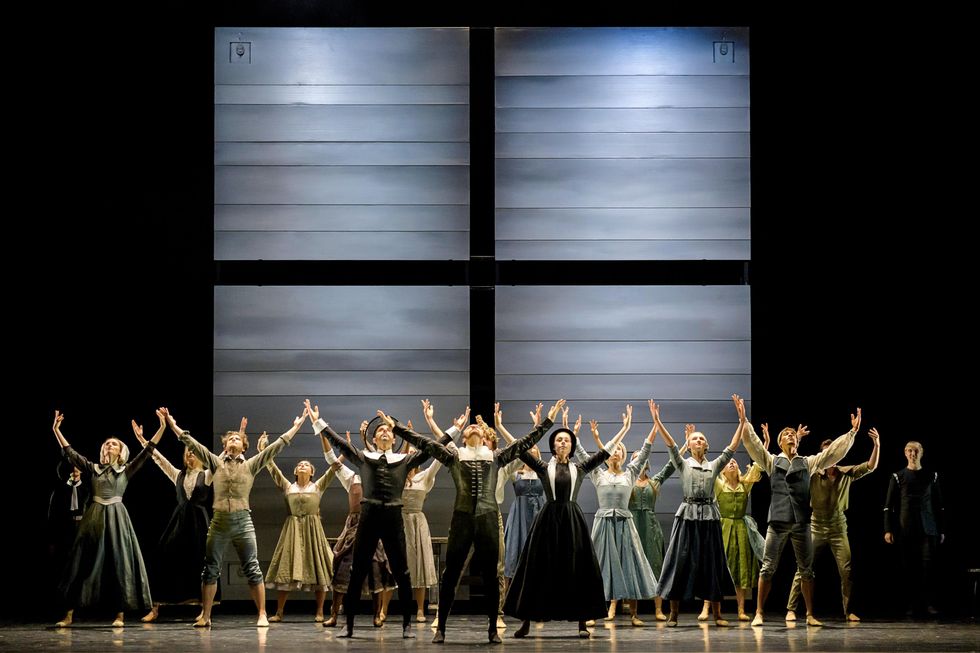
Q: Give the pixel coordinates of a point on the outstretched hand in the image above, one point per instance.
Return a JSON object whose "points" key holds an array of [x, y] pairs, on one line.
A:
{"points": [[873, 434], [553, 411], [263, 441], [856, 420], [138, 432], [58, 418], [536, 414], [313, 411], [765, 433], [464, 419], [387, 419], [739, 408]]}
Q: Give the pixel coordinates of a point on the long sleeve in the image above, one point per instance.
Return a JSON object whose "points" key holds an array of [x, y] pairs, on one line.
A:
{"points": [[210, 460], [751, 477], [594, 460], [77, 459], [719, 463], [264, 457], [757, 450], [504, 476], [937, 505], [675, 457], [351, 455], [832, 454], [640, 462], [139, 459], [538, 465], [429, 480], [665, 472], [422, 443], [516, 448], [345, 474], [582, 456], [277, 476], [892, 500], [325, 479], [856, 471], [169, 470]]}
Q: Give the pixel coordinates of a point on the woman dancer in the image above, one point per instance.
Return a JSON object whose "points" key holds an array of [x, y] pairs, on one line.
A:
{"points": [[105, 567], [695, 564], [626, 572], [175, 568], [418, 539], [302, 559], [557, 574]]}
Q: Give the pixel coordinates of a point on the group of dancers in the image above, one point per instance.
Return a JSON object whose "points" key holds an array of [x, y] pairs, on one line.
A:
{"points": [[544, 564]]}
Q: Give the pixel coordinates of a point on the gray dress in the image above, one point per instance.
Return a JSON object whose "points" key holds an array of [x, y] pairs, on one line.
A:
{"points": [[418, 539]]}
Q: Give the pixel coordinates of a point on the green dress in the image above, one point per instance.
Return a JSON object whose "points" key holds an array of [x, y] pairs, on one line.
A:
{"points": [[732, 503], [643, 505]]}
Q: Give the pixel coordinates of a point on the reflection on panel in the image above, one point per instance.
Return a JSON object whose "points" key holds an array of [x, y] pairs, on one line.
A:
{"points": [[349, 350], [606, 119], [341, 120]]}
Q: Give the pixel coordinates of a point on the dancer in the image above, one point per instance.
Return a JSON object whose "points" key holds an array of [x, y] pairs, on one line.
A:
{"points": [[829, 493], [557, 573], [302, 559], [105, 567], [789, 507], [743, 542], [383, 475], [476, 515], [695, 563], [233, 476], [914, 520], [626, 572], [175, 567], [418, 539]]}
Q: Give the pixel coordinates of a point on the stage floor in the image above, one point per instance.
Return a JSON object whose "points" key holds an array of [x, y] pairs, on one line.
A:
{"points": [[237, 633]]}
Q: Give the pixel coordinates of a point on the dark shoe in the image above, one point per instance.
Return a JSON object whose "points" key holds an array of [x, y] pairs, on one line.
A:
{"points": [[523, 630], [583, 630], [439, 637], [931, 611]]}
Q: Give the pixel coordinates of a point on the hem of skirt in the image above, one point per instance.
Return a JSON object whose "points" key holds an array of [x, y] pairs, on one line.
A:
{"points": [[296, 586]]}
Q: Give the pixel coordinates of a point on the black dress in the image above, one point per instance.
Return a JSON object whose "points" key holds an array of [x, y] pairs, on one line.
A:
{"points": [[175, 569], [557, 574]]}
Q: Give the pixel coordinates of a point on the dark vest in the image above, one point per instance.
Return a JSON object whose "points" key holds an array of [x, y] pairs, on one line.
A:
{"points": [[476, 484], [790, 482], [202, 495]]}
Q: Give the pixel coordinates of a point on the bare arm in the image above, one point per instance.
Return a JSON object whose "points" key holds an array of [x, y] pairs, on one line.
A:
{"points": [[837, 449], [876, 447], [161, 461], [498, 422], [740, 409]]}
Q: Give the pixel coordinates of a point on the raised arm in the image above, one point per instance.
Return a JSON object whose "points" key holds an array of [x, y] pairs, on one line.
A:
{"points": [[740, 409], [498, 423], [432, 448], [627, 423], [875, 449], [278, 478], [429, 411], [203, 454], [73, 457], [161, 461], [325, 480], [264, 457], [837, 449], [148, 448], [515, 449]]}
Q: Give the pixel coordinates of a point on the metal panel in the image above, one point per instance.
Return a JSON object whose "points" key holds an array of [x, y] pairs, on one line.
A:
{"points": [[614, 386], [676, 412], [341, 245], [622, 313], [436, 123], [626, 146], [619, 51], [364, 154], [344, 56], [340, 360], [602, 358], [339, 317], [705, 120], [623, 250], [372, 384], [621, 92], [354, 217], [679, 223], [341, 185], [359, 94], [622, 182]]}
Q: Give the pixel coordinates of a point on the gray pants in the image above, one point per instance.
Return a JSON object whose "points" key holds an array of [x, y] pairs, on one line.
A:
{"points": [[776, 536], [235, 527], [501, 583], [834, 537]]}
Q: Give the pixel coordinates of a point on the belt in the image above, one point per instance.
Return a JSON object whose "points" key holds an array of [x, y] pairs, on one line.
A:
{"points": [[698, 501], [107, 502]]}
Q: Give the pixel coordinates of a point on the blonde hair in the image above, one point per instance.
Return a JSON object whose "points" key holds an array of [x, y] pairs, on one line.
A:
{"points": [[123, 452], [917, 445]]}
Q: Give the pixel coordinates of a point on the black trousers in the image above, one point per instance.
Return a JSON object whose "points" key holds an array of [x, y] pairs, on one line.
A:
{"points": [[918, 555], [482, 532], [379, 523]]}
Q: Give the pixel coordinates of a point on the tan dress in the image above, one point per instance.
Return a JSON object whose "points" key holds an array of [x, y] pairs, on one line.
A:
{"points": [[418, 539], [303, 559]]}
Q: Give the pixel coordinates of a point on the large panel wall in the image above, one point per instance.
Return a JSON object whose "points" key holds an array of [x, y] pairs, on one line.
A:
{"points": [[343, 144], [351, 350], [618, 144], [600, 347]]}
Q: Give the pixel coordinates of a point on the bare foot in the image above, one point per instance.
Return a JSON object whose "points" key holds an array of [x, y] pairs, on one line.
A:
{"points": [[704, 614], [720, 622], [276, 618], [151, 616], [318, 618], [744, 617], [758, 620], [64, 623], [202, 622], [661, 616], [419, 617], [118, 621], [636, 621], [263, 621], [671, 620], [501, 623], [812, 621], [790, 615], [853, 617]]}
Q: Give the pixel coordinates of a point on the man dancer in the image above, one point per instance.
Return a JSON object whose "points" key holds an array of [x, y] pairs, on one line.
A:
{"points": [[789, 507], [476, 515], [383, 473], [913, 519], [829, 492]]}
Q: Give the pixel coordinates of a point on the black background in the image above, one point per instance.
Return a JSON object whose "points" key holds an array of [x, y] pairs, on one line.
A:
{"points": [[859, 286]]}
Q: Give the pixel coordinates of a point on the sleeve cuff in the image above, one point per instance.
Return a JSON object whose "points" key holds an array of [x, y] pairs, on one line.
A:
{"points": [[319, 425]]}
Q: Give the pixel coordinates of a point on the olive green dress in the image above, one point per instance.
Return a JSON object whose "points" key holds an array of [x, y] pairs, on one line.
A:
{"points": [[736, 526]]}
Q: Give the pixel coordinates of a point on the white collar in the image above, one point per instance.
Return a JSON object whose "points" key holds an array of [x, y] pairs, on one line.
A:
{"points": [[227, 457], [480, 452], [572, 471], [389, 455]]}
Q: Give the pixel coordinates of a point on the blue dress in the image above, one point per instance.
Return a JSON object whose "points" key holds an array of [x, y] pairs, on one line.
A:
{"points": [[626, 572], [530, 499]]}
